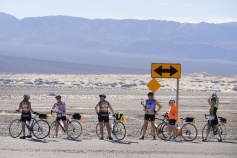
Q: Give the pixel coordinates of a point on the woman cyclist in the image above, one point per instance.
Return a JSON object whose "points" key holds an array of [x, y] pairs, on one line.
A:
{"points": [[60, 107], [213, 102], [25, 107], [149, 107], [103, 115], [172, 120]]}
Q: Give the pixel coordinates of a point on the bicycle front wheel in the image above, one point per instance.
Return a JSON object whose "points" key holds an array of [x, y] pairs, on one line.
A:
{"points": [[41, 129], [159, 131], [207, 131], [74, 129], [15, 128], [164, 131], [189, 132], [119, 130]]}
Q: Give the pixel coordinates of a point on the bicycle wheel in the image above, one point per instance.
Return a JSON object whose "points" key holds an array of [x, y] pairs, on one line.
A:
{"points": [[159, 131], [222, 130], [41, 129], [53, 130], [74, 129], [205, 131], [164, 131], [105, 132], [15, 128], [119, 130], [189, 132]]}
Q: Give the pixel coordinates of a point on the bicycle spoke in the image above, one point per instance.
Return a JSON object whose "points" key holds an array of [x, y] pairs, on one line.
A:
{"points": [[189, 132], [15, 128], [41, 129], [74, 129], [119, 130]]}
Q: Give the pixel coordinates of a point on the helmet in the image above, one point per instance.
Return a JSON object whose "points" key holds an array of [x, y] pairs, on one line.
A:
{"points": [[26, 96], [102, 96], [150, 94], [213, 98], [171, 101], [58, 97]]}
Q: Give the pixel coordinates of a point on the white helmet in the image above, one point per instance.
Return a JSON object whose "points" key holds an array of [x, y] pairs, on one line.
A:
{"points": [[26, 96]]}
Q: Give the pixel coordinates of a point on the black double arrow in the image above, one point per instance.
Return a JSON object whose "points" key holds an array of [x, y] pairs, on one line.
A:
{"points": [[171, 71]]}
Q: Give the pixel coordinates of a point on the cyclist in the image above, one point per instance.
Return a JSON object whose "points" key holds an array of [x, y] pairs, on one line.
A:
{"points": [[103, 115], [149, 107], [213, 102], [25, 107], [60, 107], [172, 120]]}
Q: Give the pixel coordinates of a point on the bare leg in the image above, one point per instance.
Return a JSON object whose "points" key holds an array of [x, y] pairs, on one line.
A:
{"points": [[29, 130], [218, 130], [145, 127], [208, 131], [57, 128], [173, 128], [153, 128], [23, 124], [169, 131], [65, 126], [108, 128], [101, 129]]}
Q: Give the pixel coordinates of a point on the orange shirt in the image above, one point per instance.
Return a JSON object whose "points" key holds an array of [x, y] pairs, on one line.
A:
{"points": [[172, 110]]}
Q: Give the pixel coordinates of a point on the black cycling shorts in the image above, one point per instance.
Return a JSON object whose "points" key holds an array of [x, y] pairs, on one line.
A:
{"points": [[63, 118], [172, 122], [25, 117], [149, 117], [213, 122]]}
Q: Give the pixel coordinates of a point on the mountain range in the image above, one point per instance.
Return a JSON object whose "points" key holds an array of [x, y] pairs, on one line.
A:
{"points": [[127, 44]]}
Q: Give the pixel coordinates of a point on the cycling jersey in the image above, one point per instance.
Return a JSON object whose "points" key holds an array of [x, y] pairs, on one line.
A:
{"points": [[213, 109], [25, 106], [104, 105], [150, 105], [172, 110], [60, 108]]}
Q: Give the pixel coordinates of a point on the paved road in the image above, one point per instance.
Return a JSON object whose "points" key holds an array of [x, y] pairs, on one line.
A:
{"points": [[58, 148]]}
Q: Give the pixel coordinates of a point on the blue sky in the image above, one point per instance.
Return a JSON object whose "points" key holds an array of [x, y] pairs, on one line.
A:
{"points": [[214, 11]]}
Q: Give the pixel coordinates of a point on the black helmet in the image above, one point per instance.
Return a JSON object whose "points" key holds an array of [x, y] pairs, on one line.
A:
{"points": [[102, 96], [150, 94], [213, 98], [58, 97], [171, 101]]}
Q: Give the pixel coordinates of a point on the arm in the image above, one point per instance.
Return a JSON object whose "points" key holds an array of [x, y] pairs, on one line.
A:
{"points": [[209, 101], [110, 107], [96, 108], [159, 106], [19, 108], [31, 108]]}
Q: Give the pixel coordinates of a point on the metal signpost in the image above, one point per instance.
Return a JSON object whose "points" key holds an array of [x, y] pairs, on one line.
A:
{"points": [[165, 70]]}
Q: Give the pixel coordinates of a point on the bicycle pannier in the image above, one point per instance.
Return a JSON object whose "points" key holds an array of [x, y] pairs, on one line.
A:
{"points": [[189, 119], [76, 116]]}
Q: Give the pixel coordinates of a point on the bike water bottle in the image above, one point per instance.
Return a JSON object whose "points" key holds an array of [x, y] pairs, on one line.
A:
{"points": [[112, 125], [156, 125]]}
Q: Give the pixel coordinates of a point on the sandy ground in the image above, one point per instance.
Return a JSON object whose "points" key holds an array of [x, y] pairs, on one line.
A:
{"points": [[83, 100]]}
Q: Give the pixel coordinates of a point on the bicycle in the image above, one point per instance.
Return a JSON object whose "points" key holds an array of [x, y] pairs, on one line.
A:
{"points": [[118, 129], [212, 131], [39, 128], [74, 126], [187, 130], [158, 125]]}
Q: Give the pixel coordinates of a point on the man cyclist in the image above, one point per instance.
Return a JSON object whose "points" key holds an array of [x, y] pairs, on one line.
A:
{"points": [[25, 107], [172, 120], [60, 107], [150, 112], [213, 102], [103, 115]]}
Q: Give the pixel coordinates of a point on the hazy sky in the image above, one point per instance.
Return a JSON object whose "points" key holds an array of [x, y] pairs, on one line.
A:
{"points": [[215, 11]]}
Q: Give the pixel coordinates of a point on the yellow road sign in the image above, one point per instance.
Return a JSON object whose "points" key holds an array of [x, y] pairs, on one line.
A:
{"points": [[153, 85], [165, 70]]}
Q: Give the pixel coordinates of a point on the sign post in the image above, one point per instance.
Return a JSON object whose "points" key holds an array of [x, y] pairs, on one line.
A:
{"points": [[165, 70]]}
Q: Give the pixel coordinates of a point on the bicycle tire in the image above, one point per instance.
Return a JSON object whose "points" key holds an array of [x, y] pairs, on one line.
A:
{"points": [[41, 129], [165, 131], [74, 129], [187, 130], [15, 128], [204, 132], [119, 128], [159, 131]]}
